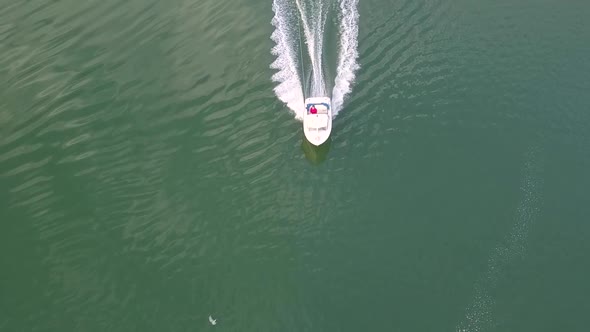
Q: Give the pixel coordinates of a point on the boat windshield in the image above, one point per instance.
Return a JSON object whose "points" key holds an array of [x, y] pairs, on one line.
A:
{"points": [[317, 129]]}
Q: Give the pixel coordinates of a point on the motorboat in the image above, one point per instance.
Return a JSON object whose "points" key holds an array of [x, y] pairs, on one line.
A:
{"points": [[317, 119]]}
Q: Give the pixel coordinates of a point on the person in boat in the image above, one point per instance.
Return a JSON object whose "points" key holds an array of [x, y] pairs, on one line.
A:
{"points": [[313, 110]]}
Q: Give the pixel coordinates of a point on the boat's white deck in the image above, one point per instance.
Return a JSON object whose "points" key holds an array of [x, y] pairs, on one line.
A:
{"points": [[317, 121], [317, 127]]}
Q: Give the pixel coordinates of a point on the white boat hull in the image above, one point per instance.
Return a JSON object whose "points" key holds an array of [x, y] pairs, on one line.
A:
{"points": [[317, 127]]}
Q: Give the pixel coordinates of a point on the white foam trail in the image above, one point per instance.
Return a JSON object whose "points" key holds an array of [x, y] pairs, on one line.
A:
{"points": [[478, 316], [312, 23], [289, 90], [348, 53]]}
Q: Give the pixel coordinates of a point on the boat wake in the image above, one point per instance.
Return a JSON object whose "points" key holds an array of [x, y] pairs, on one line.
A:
{"points": [[479, 314], [298, 22]]}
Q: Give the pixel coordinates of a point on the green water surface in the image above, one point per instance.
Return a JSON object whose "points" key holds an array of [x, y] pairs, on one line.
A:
{"points": [[150, 177]]}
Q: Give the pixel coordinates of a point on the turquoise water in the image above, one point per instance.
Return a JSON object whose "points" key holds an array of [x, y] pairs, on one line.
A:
{"points": [[151, 174]]}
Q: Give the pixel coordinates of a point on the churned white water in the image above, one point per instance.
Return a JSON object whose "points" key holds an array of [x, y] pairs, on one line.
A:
{"points": [[300, 29]]}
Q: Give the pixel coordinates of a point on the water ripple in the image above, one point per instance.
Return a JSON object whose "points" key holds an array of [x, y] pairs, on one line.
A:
{"points": [[141, 145]]}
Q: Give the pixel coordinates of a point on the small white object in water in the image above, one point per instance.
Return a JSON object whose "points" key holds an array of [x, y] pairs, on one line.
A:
{"points": [[212, 321]]}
